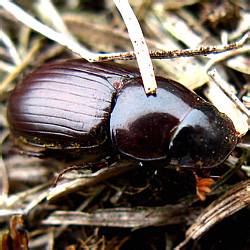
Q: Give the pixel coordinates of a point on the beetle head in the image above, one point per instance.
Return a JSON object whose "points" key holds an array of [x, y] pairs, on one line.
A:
{"points": [[204, 138]]}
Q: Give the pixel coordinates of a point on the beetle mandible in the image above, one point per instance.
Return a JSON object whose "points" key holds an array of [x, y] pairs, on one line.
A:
{"points": [[75, 106]]}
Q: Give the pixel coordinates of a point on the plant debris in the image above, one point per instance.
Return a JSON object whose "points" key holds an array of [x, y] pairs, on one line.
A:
{"points": [[126, 205]]}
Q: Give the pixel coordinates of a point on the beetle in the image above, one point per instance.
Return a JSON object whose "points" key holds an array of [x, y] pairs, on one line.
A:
{"points": [[73, 106]]}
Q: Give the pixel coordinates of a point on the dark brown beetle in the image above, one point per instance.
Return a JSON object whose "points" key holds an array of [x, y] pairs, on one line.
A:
{"points": [[75, 106]]}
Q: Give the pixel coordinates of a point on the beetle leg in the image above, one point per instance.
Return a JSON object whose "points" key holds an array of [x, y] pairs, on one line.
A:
{"points": [[86, 166], [202, 186], [207, 174], [89, 165]]}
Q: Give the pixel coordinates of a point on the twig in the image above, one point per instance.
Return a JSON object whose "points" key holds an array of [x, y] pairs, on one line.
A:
{"points": [[217, 79], [46, 31], [10, 46], [224, 56], [139, 44], [5, 182], [222, 99], [234, 200], [123, 217], [48, 11], [200, 51], [20, 67]]}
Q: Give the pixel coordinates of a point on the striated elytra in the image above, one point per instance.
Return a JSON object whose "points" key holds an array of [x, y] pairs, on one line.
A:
{"points": [[73, 106]]}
